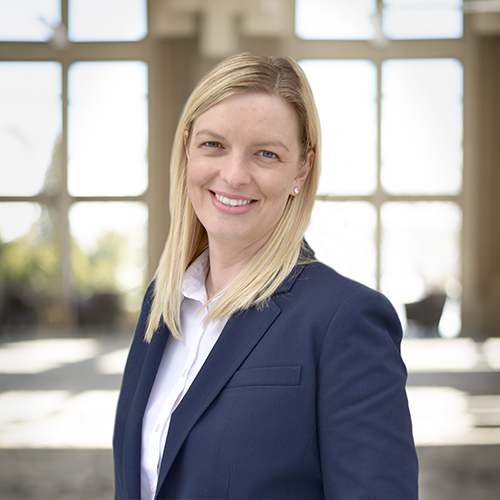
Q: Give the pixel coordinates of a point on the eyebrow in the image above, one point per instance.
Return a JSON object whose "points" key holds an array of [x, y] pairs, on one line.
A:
{"points": [[276, 142], [211, 133], [273, 143]]}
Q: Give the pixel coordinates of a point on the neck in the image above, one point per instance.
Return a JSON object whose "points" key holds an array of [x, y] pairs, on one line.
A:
{"points": [[226, 262]]}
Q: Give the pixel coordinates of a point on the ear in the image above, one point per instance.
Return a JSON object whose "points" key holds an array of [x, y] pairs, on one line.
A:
{"points": [[186, 137], [304, 170]]}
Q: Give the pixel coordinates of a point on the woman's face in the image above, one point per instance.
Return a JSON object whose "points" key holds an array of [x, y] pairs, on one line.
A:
{"points": [[244, 162]]}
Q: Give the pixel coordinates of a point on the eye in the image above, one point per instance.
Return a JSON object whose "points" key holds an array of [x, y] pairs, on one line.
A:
{"points": [[212, 144], [268, 154]]}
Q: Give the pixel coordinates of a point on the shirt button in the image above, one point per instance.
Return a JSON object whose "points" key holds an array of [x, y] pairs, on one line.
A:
{"points": [[184, 373], [152, 488], [157, 428]]}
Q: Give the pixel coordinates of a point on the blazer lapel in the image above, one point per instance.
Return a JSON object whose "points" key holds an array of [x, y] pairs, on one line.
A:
{"points": [[133, 433], [240, 335]]}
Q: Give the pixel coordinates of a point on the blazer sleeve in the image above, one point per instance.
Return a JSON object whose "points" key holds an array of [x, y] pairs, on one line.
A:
{"points": [[364, 427]]}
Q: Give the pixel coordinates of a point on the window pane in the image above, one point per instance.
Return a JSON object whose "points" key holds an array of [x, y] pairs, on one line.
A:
{"points": [[30, 127], [419, 19], [28, 20], [109, 253], [29, 257], [108, 128], [107, 20], [345, 94], [421, 253], [422, 126], [334, 19], [342, 234]]}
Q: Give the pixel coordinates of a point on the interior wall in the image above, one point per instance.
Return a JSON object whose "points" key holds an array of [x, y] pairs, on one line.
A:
{"points": [[481, 203], [169, 74], [488, 172]]}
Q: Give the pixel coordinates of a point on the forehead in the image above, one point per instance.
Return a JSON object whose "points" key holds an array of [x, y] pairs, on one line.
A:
{"points": [[251, 112]]}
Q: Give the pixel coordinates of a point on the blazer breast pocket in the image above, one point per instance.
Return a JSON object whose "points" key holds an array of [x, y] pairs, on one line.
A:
{"points": [[266, 376]]}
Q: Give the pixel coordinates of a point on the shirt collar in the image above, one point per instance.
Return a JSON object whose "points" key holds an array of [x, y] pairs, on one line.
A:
{"points": [[193, 286]]}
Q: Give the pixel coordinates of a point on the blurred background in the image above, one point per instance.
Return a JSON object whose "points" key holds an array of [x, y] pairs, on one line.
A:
{"points": [[90, 94]]}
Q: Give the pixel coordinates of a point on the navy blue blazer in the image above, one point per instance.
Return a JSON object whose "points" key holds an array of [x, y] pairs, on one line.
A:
{"points": [[303, 399]]}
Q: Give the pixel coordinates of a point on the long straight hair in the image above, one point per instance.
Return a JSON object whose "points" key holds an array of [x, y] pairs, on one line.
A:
{"points": [[187, 239]]}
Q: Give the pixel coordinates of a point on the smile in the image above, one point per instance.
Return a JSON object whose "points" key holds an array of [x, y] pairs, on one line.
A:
{"points": [[230, 202]]}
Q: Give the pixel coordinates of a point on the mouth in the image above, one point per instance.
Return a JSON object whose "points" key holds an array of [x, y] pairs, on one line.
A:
{"points": [[232, 202]]}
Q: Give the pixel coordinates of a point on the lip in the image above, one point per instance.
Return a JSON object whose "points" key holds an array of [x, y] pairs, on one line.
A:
{"points": [[232, 209]]}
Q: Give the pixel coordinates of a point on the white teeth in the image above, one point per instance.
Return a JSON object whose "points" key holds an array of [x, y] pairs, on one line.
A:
{"points": [[230, 202]]}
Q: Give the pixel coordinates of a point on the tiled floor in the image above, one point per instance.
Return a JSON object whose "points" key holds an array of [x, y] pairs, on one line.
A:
{"points": [[57, 399]]}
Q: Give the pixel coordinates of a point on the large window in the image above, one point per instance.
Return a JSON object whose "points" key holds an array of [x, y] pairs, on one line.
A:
{"points": [[388, 211], [73, 164]]}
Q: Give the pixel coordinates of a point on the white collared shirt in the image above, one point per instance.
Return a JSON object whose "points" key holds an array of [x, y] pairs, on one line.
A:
{"points": [[181, 362]]}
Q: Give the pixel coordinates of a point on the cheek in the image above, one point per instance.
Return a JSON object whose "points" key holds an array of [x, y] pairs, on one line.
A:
{"points": [[279, 187], [196, 174], [194, 184], [278, 198]]}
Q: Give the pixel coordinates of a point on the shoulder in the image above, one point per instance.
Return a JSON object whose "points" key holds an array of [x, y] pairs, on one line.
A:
{"points": [[327, 297], [319, 276], [329, 285]]}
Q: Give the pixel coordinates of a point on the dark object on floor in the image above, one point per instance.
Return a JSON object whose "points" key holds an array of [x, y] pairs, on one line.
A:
{"points": [[100, 309], [17, 309], [424, 316]]}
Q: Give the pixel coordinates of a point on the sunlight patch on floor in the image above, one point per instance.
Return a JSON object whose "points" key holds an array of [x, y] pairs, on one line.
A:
{"points": [[112, 363], [57, 419], [450, 355], [36, 356], [444, 416]]}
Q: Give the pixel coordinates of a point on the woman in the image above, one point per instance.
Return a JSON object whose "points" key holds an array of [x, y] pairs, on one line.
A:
{"points": [[257, 372]]}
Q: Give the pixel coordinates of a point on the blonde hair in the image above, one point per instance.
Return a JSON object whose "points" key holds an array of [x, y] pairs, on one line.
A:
{"points": [[242, 73]]}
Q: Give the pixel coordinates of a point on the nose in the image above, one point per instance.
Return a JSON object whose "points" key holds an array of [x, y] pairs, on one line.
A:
{"points": [[235, 170]]}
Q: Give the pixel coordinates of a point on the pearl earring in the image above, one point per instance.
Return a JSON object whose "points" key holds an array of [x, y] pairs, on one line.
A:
{"points": [[296, 190]]}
